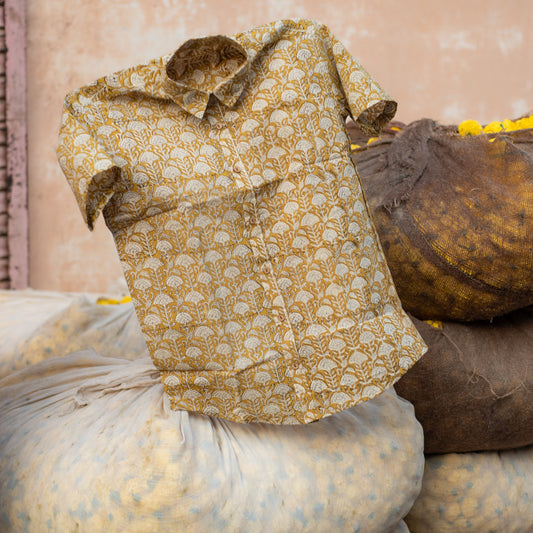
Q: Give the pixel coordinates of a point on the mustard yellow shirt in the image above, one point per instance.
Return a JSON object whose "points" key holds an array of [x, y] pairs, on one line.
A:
{"points": [[224, 174]]}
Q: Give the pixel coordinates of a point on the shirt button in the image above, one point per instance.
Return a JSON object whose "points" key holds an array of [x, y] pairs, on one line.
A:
{"points": [[253, 220], [282, 317], [295, 365], [219, 125], [237, 168], [266, 270]]}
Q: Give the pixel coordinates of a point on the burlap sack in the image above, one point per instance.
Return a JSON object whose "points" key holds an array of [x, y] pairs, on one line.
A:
{"points": [[473, 389], [455, 218]]}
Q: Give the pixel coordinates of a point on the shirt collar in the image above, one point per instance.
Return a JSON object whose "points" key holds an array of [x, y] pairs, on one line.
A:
{"points": [[193, 95]]}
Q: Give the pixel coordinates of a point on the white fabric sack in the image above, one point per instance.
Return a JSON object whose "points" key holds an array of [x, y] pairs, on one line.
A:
{"points": [[36, 325], [488, 492], [89, 444]]}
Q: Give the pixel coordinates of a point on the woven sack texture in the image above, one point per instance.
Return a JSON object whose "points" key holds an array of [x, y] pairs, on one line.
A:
{"points": [[36, 325], [473, 389], [455, 218], [90, 444], [484, 492]]}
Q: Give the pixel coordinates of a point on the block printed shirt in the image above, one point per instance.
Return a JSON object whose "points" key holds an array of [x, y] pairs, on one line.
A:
{"points": [[223, 171]]}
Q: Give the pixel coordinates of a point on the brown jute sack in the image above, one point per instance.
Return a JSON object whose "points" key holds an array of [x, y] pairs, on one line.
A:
{"points": [[473, 389], [455, 218]]}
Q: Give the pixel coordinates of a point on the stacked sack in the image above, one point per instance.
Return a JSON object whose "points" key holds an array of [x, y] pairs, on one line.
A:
{"points": [[455, 217], [454, 211], [88, 442], [36, 325]]}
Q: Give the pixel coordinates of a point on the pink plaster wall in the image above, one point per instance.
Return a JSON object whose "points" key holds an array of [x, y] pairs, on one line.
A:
{"points": [[16, 141], [448, 60]]}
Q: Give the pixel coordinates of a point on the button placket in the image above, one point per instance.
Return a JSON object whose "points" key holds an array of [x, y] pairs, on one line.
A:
{"points": [[267, 276], [226, 138], [265, 271], [216, 125]]}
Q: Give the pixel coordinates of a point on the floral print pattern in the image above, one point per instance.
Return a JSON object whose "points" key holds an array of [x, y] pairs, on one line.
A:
{"points": [[224, 174]]}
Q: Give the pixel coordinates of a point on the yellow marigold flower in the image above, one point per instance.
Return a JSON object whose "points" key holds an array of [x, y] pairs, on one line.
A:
{"points": [[509, 125], [524, 123], [470, 127], [493, 127], [106, 301], [434, 323], [113, 301]]}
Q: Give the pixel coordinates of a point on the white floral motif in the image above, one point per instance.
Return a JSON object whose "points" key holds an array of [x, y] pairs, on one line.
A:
{"points": [[241, 224]]}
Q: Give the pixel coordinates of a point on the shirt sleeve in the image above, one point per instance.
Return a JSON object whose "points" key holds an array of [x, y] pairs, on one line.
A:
{"points": [[90, 172], [367, 103]]}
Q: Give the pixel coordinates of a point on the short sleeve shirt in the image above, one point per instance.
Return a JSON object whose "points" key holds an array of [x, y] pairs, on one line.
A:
{"points": [[223, 171]]}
